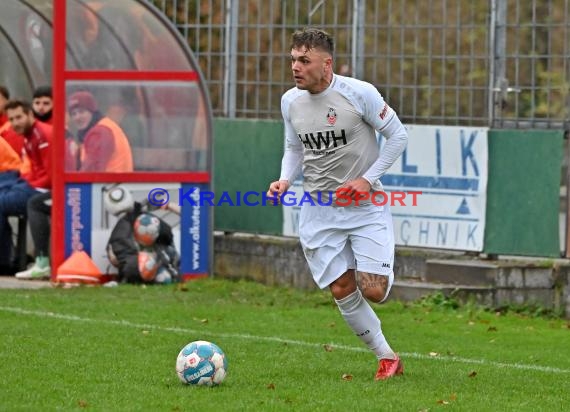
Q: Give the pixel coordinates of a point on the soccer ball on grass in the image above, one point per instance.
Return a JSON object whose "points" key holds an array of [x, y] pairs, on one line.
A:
{"points": [[201, 363]]}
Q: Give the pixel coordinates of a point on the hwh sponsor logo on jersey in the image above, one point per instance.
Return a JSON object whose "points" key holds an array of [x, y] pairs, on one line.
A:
{"points": [[323, 139]]}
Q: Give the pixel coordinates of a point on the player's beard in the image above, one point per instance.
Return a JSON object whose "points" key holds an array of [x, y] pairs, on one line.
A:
{"points": [[46, 117], [25, 129]]}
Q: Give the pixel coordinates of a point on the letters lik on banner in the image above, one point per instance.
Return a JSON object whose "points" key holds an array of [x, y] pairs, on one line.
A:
{"points": [[449, 166]]}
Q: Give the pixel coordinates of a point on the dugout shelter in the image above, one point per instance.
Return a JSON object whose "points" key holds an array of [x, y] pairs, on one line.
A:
{"points": [[144, 77]]}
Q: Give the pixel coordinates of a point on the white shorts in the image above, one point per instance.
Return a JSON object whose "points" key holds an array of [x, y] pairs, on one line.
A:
{"points": [[335, 239]]}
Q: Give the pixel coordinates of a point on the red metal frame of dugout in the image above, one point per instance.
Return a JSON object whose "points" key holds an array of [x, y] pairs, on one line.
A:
{"points": [[60, 76]]}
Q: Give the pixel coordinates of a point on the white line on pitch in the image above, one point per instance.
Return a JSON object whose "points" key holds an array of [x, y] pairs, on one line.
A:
{"points": [[414, 355]]}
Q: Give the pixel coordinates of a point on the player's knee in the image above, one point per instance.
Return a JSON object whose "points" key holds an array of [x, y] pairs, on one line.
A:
{"points": [[343, 286], [341, 291], [375, 295]]}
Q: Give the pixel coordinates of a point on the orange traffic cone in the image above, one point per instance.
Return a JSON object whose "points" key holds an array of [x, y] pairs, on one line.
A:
{"points": [[78, 268]]}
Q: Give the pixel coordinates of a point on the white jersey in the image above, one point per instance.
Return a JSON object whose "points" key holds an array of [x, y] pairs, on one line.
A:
{"points": [[335, 131]]}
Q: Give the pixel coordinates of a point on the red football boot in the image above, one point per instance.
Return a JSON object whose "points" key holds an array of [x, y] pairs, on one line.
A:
{"points": [[388, 368]]}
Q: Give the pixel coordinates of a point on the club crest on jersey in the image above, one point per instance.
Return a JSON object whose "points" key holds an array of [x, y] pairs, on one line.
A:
{"points": [[331, 116]]}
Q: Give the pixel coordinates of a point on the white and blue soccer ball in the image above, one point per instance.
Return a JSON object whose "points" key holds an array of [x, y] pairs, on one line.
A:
{"points": [[201, 363]]}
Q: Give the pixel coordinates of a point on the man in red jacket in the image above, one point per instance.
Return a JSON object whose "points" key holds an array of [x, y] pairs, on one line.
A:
{"points": [[16, 190], [39, 206], [6, 130], [42, 105], [104, 145]]}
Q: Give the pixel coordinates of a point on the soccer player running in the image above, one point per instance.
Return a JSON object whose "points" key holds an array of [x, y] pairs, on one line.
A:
{"points": [[330, 122]]}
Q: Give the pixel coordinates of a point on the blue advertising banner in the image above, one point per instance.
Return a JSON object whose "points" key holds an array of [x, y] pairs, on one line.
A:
{"points": [[195, 231], [78, 204], [89, 224]]}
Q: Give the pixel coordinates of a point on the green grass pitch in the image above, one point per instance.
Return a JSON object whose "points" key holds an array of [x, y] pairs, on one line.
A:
{"points": [[114, 349]]}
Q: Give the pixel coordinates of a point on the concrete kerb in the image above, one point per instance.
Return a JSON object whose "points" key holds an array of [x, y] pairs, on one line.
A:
{"points": [[509, 280]]}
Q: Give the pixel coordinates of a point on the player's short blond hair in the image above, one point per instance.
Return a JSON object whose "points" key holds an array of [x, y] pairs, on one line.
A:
{"points": [[313, 38]]}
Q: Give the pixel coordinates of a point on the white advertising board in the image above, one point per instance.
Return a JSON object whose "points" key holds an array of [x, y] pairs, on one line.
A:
{"points": [[449, 166]]}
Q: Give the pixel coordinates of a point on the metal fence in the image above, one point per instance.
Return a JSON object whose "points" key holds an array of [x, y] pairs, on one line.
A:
{"points": [[499, 63]]}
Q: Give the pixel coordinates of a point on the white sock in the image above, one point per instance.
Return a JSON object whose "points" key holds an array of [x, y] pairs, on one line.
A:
{"points": [[365, 324]]}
